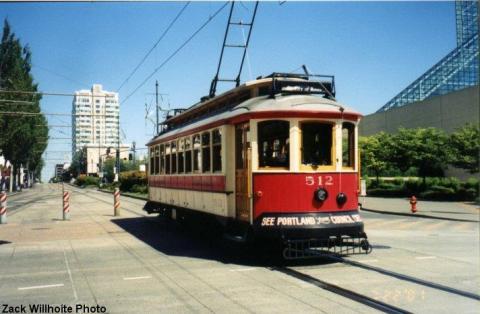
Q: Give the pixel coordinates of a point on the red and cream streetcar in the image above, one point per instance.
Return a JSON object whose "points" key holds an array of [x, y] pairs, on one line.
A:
{"points": [[274, 158]]}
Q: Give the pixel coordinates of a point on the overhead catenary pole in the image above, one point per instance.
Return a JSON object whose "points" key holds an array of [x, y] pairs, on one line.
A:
{"points": [[10, 188], [117, 174], [156, 107]]}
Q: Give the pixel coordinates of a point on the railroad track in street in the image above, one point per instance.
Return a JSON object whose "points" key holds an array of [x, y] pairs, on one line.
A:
{"points": [[404, 277], [293, 272], [371, 302], [364, 299], [350, 294]]}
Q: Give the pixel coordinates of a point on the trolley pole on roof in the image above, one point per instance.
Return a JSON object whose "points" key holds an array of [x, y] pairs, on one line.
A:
{"points": [[156, 106], [216, 79]]}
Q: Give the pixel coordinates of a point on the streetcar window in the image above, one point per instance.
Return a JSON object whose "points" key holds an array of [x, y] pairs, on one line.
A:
{"points": [[348, 153], [162, 159], [317, 144], [197, 158], [216, 151], [157, 158], [181, 145], [173, 147], [273, 143], [152, 160], [167, 158], [206, 152], [188, 156]]}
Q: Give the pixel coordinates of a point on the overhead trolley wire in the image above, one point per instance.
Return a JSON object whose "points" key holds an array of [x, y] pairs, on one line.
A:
{"points": [[49, 93], [176, 51], [154, 46], [59, 75]]}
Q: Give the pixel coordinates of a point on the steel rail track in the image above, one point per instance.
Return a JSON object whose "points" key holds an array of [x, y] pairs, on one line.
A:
{"points": [[415, 280], [352, 295]]}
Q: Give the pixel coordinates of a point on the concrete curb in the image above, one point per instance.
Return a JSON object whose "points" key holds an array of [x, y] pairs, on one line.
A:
{"points": [[416, 215]]}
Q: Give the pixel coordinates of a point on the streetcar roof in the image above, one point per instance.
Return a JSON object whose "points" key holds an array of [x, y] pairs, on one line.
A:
{"points": [[282, 104]]}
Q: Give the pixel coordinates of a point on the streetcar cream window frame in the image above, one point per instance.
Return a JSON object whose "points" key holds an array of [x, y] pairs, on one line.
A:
{"points": [[152, 160], [162, 159], [351, 145], [188, 149], [181, 152], [157, 160], [167, 158], [258, 150], [214, 145], [206, 147], [197, 161], [333, 156], [173, 153]]}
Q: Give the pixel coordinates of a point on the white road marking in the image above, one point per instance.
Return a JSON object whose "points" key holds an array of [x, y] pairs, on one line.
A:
{"points": [[42, 287], [137, 278], [243, 269], [70, 275], [425, 257]]}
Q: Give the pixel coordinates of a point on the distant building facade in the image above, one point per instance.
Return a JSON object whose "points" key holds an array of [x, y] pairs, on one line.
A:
{"points": [[95, 126], [95, 118], [96, 155], [58, 170], [447, 112]]}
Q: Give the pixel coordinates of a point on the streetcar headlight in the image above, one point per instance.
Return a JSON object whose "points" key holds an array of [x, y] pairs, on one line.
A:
{"points": [[320, 194], [341, 198]]}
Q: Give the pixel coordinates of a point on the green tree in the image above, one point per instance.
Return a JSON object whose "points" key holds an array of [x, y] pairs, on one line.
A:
{"points": [[79, 163], [24, 136], [465, 145], [125, 165], [423, 148], [374, 153]]}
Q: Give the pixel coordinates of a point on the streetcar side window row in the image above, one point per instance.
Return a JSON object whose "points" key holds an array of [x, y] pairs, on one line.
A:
{"points": [[199, 153]]}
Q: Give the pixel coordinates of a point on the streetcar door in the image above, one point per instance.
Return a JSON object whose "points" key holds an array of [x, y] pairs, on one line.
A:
{"points": [[242, 169]]}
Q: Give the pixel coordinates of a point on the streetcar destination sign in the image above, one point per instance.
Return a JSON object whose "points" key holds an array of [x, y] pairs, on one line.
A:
{"points": [[276, 221]]}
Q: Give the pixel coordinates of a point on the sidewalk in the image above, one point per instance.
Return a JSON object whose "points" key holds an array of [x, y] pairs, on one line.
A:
{"points": [[461, 211]]}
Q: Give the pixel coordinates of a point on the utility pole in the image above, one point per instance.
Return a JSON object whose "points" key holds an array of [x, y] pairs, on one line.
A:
{"points": [[156, 106], [134, 148], [117, 174]]}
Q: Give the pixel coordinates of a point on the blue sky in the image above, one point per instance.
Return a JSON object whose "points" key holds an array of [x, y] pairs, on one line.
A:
{"points": [[374, 49]]}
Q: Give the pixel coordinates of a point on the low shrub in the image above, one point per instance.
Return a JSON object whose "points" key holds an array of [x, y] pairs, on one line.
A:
{"points": [[130, 178], [439, 194], [83, 180], [391, 192], [452, 183], [398, 181], [469, 194], [434, 188], [142, 189], [413, 186], [472, 183], [387, 185]]}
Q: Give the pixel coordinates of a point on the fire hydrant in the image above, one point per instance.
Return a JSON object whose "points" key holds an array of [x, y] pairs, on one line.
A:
{"points": [[413, 204]]}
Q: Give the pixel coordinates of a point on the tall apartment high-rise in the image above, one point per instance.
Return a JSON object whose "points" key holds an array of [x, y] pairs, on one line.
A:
{"points": [[95, 123]]}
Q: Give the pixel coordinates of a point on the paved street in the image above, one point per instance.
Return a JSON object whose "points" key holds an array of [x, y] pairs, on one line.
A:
{"points": [[140, 263]]}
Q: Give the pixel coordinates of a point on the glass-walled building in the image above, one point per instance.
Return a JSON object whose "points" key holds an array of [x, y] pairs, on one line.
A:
{"points": [[457, 70]]}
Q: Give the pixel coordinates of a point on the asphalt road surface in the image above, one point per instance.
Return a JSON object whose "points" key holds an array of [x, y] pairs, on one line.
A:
{"points": [[139, 263]]}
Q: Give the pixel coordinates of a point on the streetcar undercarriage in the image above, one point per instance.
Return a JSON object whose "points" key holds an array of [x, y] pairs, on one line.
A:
{"points": [[295, 243]]}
